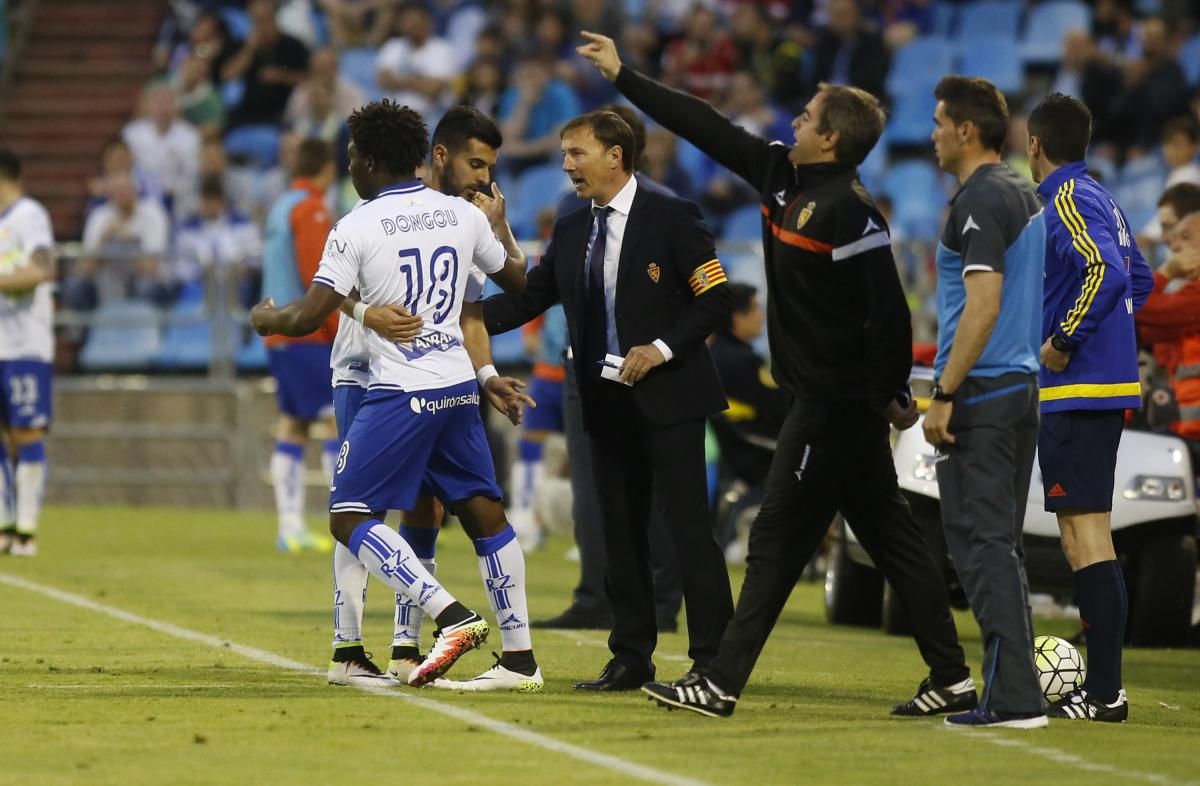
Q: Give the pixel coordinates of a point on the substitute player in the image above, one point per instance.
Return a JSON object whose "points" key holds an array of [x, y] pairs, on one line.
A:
{"points": [[296, 229], [1095, 280], [26, 352], [464, 150], [419, 425]]}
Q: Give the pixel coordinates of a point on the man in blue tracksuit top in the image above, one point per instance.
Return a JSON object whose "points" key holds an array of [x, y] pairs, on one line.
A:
{"points": [[1095, 280]]}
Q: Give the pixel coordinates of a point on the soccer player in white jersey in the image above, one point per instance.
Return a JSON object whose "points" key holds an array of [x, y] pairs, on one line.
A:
{"points": [[419, 425], [26, 352], [465, 146]]}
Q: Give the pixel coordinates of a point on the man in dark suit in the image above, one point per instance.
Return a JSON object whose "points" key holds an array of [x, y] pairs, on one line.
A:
{"points": [[638, 278]]}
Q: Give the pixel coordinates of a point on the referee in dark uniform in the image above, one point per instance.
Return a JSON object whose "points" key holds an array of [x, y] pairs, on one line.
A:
{"points": [[841, 343]]}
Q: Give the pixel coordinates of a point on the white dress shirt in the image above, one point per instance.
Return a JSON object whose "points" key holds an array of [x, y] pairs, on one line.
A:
{"points": [[621, 204]]}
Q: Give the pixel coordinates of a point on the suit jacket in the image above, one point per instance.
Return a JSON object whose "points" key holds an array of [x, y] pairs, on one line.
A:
{"points": [[665, 242]]}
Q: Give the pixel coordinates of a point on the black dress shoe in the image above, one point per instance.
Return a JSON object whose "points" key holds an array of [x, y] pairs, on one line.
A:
{"points": [[618, 676], [577, 618]]}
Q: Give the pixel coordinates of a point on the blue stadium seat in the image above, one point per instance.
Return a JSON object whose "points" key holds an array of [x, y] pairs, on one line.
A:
{"points": [[508, 349], [259, 143], [871, 170], [125, 337], [917, 198], [989, 17], [187, 344], [911, 122], [945, 17], [993, 57], [1046, 26], [232, 92], [253, 354], [238, 22], [918, 65], [743, 224], [534, 189], [358, 65], [1189, 58]]}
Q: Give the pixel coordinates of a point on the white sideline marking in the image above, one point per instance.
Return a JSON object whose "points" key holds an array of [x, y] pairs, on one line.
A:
{"points": [[126, 686], [603, 760], [1063, 757], [581, 639]]}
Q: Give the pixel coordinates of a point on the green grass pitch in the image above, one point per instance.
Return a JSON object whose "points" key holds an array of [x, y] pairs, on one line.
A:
{"points": [[87, 698]]}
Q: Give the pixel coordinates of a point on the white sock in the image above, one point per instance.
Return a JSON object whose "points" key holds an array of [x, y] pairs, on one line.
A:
{"points": [[31, 485], [407, 631], [287, 476], [8, 490], [520, 485], [502, 566], [349, 595], [329, 457], [391, 560]]}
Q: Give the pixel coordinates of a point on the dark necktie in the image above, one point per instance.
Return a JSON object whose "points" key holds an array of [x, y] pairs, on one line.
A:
{"points": [[596, 342]]}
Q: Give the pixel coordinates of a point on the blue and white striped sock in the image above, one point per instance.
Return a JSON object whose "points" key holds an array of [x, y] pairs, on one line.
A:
{"points": [[8, 490], [407, 630], [287, 478], [390, 559], [349, 595], [502, 566]]}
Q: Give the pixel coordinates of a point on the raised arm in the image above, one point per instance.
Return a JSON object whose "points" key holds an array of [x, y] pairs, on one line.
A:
{"points": [[691, 118]]}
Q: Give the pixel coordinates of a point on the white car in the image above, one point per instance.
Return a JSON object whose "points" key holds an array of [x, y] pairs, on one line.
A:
{"points": [[1154, 521]]}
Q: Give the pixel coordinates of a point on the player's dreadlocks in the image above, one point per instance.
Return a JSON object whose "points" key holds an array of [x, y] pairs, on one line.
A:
{"points": [[395, 136]]}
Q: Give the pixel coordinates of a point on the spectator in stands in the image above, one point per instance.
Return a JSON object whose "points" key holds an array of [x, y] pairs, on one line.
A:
{"points": [[123, 243], [1180, 141], [416, 67], [323, 74], [702, 61], [1170, 321], [116, 158], [1155, 90], [270, 64], [218, 238], [531, 112], [482, 86], [1084, 74], [748, 107], [904, 20], [208, 38], [662, 166], [1116, 30], [163, 143], [199, 101], [1181, 199], [362, 23], [323, 121], [849, 52], [1016, 151], [775, 62]]}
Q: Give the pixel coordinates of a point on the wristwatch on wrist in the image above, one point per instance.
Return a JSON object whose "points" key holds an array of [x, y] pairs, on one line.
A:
{"points": [[939, 394], [1060, 343]]}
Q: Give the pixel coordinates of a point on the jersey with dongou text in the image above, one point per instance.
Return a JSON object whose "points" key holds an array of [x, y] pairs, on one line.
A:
{"points": [[415, 247]]}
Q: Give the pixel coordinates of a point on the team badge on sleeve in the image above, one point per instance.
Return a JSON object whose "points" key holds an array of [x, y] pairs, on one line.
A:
{"points": [[805, 214], [706, 277], [654, 271]]}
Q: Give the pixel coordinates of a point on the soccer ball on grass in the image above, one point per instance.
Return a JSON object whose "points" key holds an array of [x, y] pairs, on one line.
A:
{"points": [[1059, 666]]}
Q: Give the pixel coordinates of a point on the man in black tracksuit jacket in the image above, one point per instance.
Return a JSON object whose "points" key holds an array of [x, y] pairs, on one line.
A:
{"points": [[841, 343]]}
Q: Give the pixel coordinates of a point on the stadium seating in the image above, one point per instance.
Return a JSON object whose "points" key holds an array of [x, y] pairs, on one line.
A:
{"points": [[188, 341], [989, 18], [238, 22], [1189, 58], [358, 65], [993, 57], [918, 65], [534, 190], [917, 198], [911, 122], [1046, 26], [125, 337], [253, 354], [258, 143], [743, 224]]}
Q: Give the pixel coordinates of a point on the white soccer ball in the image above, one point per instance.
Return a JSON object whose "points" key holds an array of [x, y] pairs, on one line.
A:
{"points": [[1059, 666]]}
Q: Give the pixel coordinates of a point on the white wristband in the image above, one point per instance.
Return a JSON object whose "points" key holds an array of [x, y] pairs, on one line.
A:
{"points": [[486, 373], [360, 311]]}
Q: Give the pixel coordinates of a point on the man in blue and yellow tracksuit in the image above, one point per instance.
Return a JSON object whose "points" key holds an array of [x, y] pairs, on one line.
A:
{"points": [[1095, 280]]}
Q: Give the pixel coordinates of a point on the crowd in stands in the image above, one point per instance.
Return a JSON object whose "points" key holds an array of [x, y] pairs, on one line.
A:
{"points": [[185, 188]]}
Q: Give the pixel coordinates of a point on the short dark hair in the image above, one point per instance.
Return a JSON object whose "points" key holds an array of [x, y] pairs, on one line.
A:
{"points": [[630, 116], [10, 165], [395, 136], [856, 116], [743, 295], [312, 156], [1064, 127], [461, 124], [1183, 198], [212, 187], [610, 129], [975, 100], [1184, 124]]}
